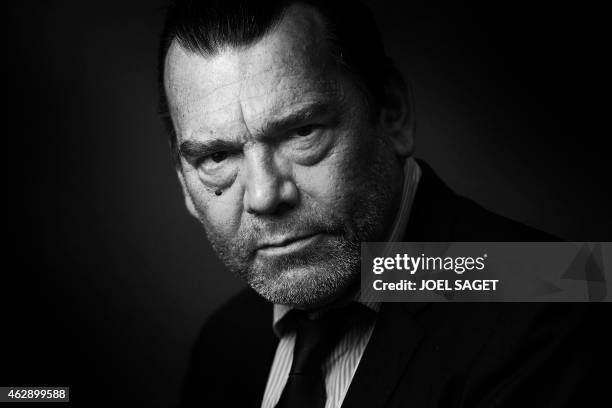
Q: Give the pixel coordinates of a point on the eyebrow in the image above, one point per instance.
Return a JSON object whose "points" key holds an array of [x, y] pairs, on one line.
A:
{"points": [[192, 149], [296, 118]]}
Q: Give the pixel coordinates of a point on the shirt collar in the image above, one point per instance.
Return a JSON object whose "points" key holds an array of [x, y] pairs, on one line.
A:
{"points": [[412, 175]]}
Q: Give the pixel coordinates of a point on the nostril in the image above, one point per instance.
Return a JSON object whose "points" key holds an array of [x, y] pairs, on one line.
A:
{"points": [[283, 208], [262, 198]]}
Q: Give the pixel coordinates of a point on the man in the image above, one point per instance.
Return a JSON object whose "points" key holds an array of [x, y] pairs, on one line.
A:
{"points": [[294, 139]]}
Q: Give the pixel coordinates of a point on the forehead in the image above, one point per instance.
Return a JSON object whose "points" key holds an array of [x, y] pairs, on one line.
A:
{"points": [[289, 66]]}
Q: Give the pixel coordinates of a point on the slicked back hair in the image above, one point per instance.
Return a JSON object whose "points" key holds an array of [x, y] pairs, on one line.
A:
{"points": [[208, 26]]}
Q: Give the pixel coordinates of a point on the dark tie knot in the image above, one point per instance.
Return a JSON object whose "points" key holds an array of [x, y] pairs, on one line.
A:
{"points": [[315, 338]]}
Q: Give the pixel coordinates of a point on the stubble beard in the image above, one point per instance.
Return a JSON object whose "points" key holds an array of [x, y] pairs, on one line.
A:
{"points": [[321, 273]]}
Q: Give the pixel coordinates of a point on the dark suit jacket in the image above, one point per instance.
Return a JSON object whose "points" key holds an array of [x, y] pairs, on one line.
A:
{"points": [[428, 355]]}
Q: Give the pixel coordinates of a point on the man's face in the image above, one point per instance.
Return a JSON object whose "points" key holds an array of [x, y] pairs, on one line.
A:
{"points": [[286, 138]]}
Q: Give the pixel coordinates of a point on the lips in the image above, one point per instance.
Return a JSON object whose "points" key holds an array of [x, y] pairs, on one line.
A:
{"points": [[284, 241], [287, 245]]}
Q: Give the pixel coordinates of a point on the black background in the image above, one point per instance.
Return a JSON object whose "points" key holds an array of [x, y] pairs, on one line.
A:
{"points": [[106, 279]]}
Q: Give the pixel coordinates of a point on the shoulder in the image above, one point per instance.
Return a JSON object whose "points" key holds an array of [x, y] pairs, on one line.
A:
{"points": [[561, 344], [232, 352], [473, 222], [243, 314], [514, 354], [440, 214]]}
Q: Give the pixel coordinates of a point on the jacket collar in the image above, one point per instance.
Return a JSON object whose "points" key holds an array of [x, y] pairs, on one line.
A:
{"points": [[397, 328]]}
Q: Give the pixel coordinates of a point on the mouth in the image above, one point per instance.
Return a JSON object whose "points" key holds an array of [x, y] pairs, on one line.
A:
{"points": [[288, 245]]}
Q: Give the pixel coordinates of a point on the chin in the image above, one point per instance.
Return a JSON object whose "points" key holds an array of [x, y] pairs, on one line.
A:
{"points": [[303, 287]]}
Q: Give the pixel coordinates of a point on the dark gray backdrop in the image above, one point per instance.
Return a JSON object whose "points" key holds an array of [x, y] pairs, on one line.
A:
{"points": [[107, 278]]}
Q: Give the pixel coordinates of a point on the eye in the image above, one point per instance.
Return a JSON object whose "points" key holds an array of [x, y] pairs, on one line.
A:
{"points": [[305, 130], [218, 157], [214, 161], [218, 168]]}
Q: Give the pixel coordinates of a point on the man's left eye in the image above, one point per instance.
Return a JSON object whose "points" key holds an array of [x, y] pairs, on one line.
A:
{"points": [[218, 157], [305, 130]]}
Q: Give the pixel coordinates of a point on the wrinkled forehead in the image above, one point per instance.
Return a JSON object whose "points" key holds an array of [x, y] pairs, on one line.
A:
{"points": [[290, 65]]}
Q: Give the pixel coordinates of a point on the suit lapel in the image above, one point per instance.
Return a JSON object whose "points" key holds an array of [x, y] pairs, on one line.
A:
{"points": [[379, 370], [256, 359], [397, 334], [256, 364]]}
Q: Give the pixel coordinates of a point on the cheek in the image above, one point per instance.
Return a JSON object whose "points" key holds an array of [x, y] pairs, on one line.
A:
{"points": [[341, 179], [221, 213], [334, 181]]}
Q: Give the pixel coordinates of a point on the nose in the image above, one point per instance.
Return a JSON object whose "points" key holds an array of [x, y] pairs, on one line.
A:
{"points": [[269, 185]]}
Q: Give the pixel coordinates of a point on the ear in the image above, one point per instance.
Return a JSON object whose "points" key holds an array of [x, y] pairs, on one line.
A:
{"points": [[188, 200], [397, 115]]}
